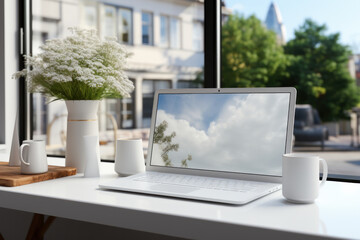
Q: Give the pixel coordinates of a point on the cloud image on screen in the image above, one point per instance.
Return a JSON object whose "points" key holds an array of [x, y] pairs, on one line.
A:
{"points": [[224, 132]]}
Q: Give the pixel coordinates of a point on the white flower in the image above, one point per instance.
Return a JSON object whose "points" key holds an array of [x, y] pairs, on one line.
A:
{"points": [[81, 58]]}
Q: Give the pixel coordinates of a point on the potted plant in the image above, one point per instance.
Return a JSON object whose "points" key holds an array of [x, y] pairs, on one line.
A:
{"points": [[80, 69]]}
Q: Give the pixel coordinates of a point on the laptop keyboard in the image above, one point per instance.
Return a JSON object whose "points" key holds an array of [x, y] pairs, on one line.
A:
{"points": [[204, 182]]}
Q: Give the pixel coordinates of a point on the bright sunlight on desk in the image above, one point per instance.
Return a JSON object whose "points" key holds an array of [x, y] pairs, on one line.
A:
{"points": [[335, 214]]}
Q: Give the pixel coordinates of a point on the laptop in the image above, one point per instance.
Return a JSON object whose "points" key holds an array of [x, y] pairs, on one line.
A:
{"points": [[217, 145]]}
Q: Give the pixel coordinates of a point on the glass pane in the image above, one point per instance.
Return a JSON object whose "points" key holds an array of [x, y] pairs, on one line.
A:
{"points": [[147, 28], [164, 31], [109, 26], [150, 67], [268, 44], [198, 40], [125, 25], [90, 16], [175, 36]]}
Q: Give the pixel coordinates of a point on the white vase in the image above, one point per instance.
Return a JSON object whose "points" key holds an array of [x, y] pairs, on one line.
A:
{"points": [[82, 121]]}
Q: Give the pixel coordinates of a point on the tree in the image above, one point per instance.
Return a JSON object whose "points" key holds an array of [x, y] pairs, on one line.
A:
{"points": [[318, 70], [251, 55], [166, 144]]}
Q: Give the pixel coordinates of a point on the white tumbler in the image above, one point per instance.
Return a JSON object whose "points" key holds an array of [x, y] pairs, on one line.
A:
{"points": [[129, 157]]}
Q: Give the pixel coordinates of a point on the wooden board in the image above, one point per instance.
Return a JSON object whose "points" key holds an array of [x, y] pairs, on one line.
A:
{"points": [[11, 176]]}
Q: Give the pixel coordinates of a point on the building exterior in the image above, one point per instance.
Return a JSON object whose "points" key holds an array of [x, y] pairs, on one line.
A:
{"points": [[165, 36], [274, 22]]}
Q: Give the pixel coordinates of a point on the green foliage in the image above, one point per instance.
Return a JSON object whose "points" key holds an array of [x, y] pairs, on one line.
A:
{"points": [[251, 55], [315, 63], [75, 90], [166, 144], [318, 70], [184, 161], [199, 78]]}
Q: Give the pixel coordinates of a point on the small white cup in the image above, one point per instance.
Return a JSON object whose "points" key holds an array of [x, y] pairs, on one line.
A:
{"points": [[129, 157], [301, 177], [33, 157]]}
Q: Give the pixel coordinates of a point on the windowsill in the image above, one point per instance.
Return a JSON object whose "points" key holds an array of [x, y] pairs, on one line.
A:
{"points": [[334, 214]]}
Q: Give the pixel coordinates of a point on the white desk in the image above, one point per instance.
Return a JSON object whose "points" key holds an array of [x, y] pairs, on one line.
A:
{"points": [[335, 214]]}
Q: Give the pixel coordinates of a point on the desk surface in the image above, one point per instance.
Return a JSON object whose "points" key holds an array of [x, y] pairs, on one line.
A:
{"points": [[336, 213]]}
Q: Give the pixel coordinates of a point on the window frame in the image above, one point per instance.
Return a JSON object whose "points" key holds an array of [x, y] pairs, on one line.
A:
{"points": [[25, 45]]}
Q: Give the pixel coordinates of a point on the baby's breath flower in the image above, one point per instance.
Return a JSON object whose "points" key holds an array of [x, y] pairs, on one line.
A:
{"points": [[79, 67]]}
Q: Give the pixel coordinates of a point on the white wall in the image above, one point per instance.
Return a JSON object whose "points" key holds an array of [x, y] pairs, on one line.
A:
{"points": [[2, 75], [9, 94]]}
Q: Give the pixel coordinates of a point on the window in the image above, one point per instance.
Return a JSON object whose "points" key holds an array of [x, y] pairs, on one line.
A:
{"points": [[175, 36], [147, 28], [118, 22], [149, 67], [164, 31], [149, 87], [125, 25], [327, 112], [198, 32], [170, 32], [122, 112], [188, 84], [109, 24], [90, 16]]}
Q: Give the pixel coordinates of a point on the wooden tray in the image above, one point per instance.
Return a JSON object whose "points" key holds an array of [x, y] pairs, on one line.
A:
{"points": [[11, 176]]}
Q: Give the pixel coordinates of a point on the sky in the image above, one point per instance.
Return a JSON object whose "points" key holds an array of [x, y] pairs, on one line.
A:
{"points": [[229, 132], [339, 15]]}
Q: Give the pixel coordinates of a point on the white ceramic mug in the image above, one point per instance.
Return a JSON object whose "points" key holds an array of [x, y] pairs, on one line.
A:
{"points": [[33, 157], [301, 177], [129, 157]]}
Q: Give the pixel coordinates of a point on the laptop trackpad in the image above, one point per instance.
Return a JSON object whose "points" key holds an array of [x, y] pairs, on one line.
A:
{"points": [[172, 188]]}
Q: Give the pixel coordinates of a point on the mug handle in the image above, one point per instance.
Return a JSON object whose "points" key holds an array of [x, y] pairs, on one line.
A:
{"points": [[325, 171], [21, 154]]}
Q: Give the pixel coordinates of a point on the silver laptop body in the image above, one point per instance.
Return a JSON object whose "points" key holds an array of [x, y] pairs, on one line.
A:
{"points": [[218, 145]]}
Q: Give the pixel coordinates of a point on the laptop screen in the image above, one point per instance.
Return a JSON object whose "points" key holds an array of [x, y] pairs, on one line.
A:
{"points": [[229, 132]]}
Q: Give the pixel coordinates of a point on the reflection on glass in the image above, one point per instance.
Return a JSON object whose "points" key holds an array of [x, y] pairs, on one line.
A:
{"points": [[227, 132]]}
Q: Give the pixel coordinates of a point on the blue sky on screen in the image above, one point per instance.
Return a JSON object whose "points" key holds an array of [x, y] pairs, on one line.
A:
{"points": [[229, 132], [199, 109], [339, 15]]}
